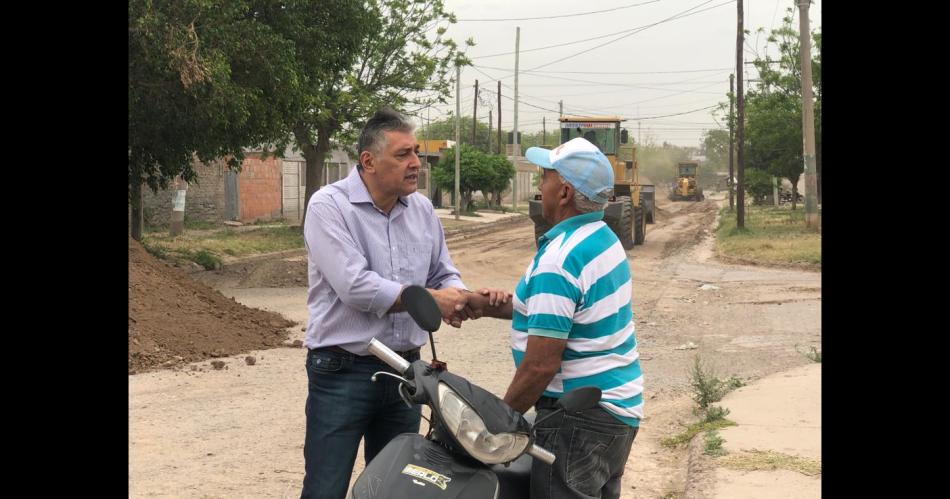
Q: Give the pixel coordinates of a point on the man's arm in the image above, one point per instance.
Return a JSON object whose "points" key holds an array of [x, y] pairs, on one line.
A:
{"points": [[551, 298], [335, 252], [542, 360], [488, 302]]}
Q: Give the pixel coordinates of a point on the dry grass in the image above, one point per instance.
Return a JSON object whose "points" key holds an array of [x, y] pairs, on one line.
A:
{"points": [[755, 460], [235, 243], [772, 236]]}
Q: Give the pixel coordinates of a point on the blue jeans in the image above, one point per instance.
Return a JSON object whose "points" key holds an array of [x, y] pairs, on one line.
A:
{"points": [[343, 406], [592, 448]]}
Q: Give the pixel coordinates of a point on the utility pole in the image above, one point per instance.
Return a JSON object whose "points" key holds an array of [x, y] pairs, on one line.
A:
{"points": [[433, 191], [499, 116], [560, 108], [489, 131], [732, 147], [517, 148], [475, 114], [544, 132], [740, 201], [808, 118], [458, 127]]}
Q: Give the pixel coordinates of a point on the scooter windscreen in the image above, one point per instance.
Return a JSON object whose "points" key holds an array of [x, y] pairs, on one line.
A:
{"points": [[487, 428]]}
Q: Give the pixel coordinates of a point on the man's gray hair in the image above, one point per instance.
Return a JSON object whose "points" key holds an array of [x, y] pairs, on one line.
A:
{"points": [[583, 203], [373, 137]]}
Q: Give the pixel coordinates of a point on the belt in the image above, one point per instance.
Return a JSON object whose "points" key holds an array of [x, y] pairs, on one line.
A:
{"points": [[408, 354]]}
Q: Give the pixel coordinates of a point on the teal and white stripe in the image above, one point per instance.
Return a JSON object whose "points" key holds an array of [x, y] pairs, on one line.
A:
{"points": [[578, 288]]}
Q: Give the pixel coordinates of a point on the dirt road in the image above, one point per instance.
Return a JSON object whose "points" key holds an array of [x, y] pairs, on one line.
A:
{"points": [[239, 432]]}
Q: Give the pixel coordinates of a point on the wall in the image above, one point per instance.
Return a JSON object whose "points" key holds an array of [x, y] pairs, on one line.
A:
{"points": [[259, 184], [204, 200]]}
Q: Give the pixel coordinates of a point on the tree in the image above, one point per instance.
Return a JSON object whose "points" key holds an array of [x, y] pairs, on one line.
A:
{"points": [[758, 184], [504, 171], [444, 129], [716, 149], [774, 133], [206, 80], [773, 128], [478, 171], [402, 61], [535, 139]]}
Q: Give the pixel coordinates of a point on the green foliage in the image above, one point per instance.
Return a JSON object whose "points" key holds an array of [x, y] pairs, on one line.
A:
{"points": [[713, 444], [716, 150], [206, 259], [758, 184], [773, 108], [403, 60], [813, 353], [707, 388], [444, 129], [489, 173], [206, 79]]}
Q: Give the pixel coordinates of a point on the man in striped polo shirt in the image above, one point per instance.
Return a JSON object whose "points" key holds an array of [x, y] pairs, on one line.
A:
{"points": [[572, 326]]}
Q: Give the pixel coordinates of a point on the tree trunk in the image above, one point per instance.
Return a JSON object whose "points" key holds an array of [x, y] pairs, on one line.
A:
{"points": [[795, 191], [818, 171], [135, 200], [466, 203], [315, 155]]}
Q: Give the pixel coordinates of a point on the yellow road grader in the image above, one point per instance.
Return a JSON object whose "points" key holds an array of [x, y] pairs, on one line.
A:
{"points": [[632, 205]]}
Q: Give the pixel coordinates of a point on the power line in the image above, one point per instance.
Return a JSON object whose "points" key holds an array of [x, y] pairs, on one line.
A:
{"points": [[629, 32], [636, 85], [631, 86], [676, 114], [679, 15], [563, 15], [612, 72]]}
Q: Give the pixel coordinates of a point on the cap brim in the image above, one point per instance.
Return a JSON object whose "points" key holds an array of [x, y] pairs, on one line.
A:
{"points": [[539, 156]]}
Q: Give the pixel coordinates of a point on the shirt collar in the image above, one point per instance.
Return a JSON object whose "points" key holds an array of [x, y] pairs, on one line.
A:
{"points": [[570, 224], [357, 191]]}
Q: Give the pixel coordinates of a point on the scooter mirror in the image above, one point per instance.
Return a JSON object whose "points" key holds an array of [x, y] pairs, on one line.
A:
{"points": [[580, 399], [421, 307]]}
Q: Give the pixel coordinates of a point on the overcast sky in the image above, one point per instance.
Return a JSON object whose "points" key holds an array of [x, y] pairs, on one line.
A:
{"points": [[683, 63]]}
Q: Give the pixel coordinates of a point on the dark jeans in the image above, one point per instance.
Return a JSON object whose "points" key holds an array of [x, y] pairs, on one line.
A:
{"points": [[591, 448], [343, 406]]}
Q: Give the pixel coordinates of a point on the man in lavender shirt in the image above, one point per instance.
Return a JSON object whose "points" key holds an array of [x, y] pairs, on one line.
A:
{"points": [[367, 237]]}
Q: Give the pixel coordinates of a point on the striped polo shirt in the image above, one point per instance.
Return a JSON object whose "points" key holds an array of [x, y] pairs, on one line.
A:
{"points": [[577, 288]]}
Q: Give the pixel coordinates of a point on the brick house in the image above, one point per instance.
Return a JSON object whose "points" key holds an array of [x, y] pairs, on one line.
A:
{"points": [[265, 189]]}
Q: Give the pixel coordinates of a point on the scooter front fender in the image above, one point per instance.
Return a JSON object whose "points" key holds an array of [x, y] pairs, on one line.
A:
{"points": [[412, 467]]}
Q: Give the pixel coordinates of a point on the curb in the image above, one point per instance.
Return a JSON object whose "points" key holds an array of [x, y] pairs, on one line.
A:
{"points": [[697, 467]]}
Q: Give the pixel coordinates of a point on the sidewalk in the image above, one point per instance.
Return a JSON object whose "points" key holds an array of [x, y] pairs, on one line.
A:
{"points": [[774, 451], [484, 216]]}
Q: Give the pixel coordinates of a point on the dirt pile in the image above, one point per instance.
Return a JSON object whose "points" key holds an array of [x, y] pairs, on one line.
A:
{"points": [[174, 319]]}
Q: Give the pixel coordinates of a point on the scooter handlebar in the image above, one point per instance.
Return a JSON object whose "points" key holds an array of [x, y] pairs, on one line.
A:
{"points": [[542, 454], [388, 356]]}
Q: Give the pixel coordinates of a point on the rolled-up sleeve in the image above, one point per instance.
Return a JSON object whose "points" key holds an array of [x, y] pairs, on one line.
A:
{"points": [[341, 261], [442, 272]]}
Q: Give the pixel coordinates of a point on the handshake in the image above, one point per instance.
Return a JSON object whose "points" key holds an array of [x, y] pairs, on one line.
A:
{"points": [[457, 305]]}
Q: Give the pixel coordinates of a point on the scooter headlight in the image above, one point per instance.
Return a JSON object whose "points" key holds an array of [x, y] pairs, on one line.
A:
{"points": [[470, 431]]}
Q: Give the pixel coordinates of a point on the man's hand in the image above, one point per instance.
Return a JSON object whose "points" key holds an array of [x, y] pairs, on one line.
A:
{"points": [[490, 302], [495, 296], [453, 304]]}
